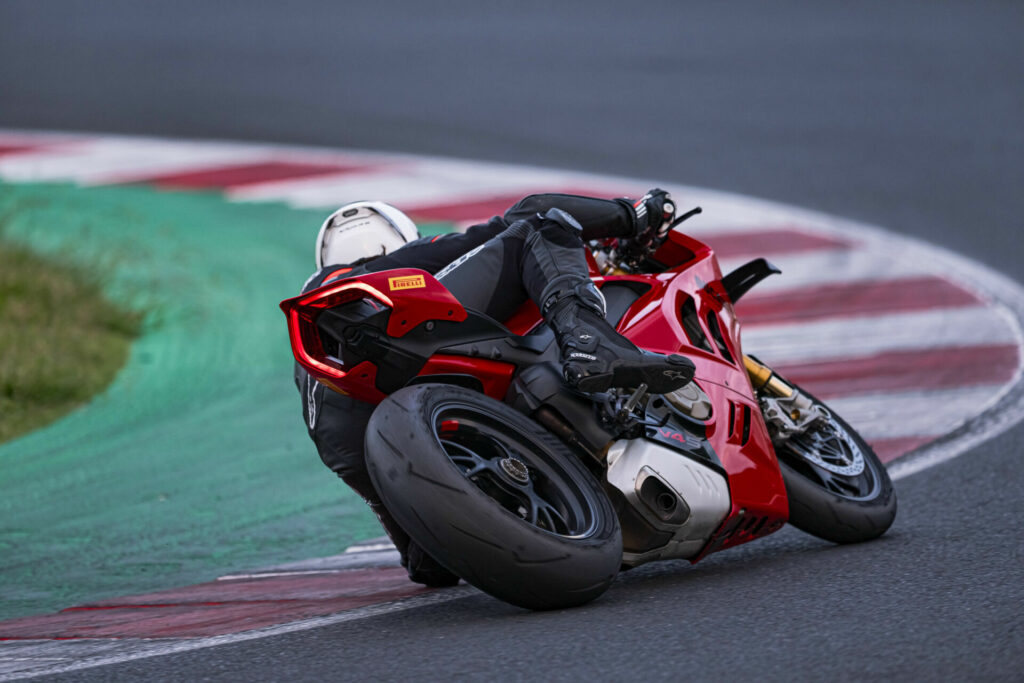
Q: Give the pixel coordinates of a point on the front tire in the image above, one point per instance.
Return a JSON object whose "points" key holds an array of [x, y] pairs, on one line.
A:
{"points": [[493, 497], [838, 488]]}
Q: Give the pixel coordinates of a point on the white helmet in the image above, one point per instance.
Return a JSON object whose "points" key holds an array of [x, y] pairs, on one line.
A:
{"points": [[362, 229]]}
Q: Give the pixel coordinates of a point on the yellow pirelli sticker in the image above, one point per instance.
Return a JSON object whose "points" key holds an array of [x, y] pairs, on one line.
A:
{"points": [[406, 282]]}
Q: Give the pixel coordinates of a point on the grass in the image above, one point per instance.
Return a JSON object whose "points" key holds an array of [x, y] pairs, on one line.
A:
{"points": [[61, 340]]}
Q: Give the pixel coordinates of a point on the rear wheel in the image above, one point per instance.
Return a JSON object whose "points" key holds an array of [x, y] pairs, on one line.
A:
{"points": [[493, 496], [838, 488]]}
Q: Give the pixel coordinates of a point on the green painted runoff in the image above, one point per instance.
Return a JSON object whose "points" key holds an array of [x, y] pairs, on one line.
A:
{"points": [[194, 462]]}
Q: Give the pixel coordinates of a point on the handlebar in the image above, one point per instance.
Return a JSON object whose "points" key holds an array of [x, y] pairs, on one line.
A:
{"points": [[630, 255]]}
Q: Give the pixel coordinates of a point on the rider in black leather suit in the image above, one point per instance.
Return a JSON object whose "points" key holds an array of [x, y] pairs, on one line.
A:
{"points": [[533, 251]]}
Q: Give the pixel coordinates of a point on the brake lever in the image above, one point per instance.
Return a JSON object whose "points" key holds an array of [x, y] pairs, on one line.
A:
{"points": [[679, 221], [632, 252]]}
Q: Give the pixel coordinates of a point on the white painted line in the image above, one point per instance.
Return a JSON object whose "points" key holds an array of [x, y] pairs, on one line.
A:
{"points": [[369, 548], [384, 554], [271, 575], [1005, 412], [61, 656]]}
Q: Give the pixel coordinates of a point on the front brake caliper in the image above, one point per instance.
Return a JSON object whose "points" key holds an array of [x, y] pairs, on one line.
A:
{"points": [[787, 416]]}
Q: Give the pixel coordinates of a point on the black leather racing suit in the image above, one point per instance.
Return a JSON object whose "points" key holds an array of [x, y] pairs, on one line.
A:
{"points": [[492, 268]]}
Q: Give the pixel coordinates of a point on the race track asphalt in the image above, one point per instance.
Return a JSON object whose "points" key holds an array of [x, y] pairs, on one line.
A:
{"points": [[905, 115]]}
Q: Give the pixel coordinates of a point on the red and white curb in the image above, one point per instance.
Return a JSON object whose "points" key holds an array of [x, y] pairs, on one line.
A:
{"points": [[907, 341], [363, 582], [917, 347]]}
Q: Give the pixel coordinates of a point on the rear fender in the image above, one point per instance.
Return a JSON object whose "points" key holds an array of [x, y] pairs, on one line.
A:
{"points": [[454, 379]]}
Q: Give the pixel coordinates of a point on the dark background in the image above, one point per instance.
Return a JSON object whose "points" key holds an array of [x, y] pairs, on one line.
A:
{"points": [[904, 114]]}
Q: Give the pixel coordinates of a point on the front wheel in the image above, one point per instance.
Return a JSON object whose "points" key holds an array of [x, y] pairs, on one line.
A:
{"points": [[493, 496], [838, 488]]}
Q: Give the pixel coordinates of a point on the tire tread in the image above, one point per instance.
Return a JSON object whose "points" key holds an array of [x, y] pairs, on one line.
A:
{"points": [[470, 534]]}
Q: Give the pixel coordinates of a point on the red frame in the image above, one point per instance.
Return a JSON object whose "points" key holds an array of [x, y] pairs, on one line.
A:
{"points": [[759, 502]]}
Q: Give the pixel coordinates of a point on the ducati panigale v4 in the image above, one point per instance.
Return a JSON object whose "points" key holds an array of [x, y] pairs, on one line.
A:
{"points": [[538, 494]]}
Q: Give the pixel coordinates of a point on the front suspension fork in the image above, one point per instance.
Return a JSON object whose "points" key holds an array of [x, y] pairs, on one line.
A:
{"points": [[787, 410], [764, 379]]}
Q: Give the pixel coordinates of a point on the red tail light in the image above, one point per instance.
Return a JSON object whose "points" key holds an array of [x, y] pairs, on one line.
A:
{"points": [[413, 296]]}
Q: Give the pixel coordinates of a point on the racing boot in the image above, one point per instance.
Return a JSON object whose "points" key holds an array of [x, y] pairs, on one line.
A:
{"points": [[423, 568], [596, 358]]}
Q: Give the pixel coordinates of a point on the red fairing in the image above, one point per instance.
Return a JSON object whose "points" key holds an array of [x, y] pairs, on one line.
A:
{"points": [[737, 430], [414, 296]]}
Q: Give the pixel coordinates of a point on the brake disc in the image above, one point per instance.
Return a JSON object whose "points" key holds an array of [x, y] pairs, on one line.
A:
{"points": [[828, 446]]}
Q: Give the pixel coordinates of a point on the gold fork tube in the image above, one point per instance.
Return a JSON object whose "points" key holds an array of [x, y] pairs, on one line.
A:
{"points": [[763, 379]]}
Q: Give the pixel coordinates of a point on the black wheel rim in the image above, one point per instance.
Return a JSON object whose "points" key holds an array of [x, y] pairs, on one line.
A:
{"points": [[830, 456], [523, 475]]}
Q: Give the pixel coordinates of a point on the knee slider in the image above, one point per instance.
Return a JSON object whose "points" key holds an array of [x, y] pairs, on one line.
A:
{"points": [[558, 227]]}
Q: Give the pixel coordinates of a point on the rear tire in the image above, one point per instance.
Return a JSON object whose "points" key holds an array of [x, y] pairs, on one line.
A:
{"points": [[828, 502], [493, 497]]}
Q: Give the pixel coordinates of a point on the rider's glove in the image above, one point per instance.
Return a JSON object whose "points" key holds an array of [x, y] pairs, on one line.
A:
{"points": [[654, 212]]}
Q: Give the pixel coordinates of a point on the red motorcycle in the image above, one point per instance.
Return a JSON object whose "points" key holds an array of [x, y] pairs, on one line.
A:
{"points": [[538, 494]]}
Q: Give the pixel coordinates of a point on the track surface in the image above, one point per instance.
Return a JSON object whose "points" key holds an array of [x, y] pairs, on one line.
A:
{"points": [[906, 117]]}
